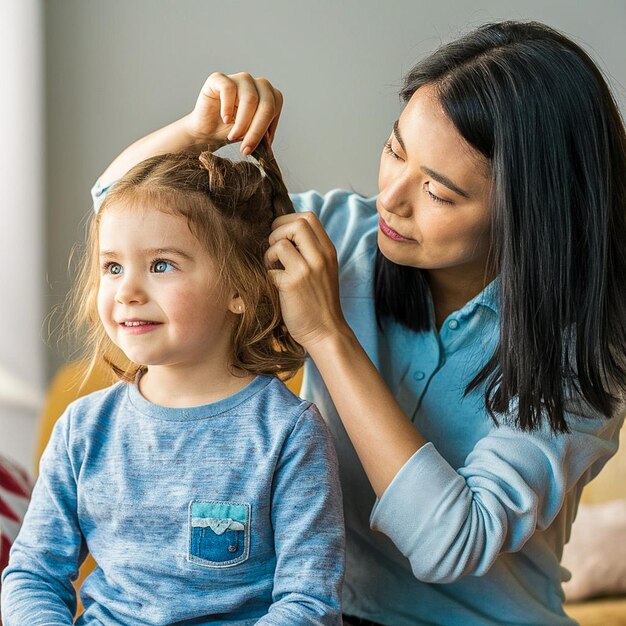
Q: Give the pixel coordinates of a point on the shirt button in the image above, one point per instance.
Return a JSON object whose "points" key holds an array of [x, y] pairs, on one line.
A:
{"points": [[419, 375], [453, 324]]}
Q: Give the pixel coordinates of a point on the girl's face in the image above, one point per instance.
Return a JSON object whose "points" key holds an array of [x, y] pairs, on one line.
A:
{"points": [[160, 298], [433, 193]]}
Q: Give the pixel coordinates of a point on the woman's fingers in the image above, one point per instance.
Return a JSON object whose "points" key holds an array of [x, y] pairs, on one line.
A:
{"points": [[298, 232], [307, 233], [297, 248], [257, 108], [238, 107], [265, 116], [285, 262], [247, 101], [223, 89], [278, 99]]}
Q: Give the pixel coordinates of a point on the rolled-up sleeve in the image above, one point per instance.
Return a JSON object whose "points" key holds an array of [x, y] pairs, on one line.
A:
{"points": [[450, 523]]}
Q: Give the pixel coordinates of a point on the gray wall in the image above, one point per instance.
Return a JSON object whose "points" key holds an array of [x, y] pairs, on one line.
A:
{"points": [[120, 68]]}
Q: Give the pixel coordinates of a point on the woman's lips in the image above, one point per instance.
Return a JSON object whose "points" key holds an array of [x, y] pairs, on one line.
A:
{"points": [[390, 232]]}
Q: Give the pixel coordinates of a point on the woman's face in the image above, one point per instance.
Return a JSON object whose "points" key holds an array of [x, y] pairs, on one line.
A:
{"points": [[433, 197]]}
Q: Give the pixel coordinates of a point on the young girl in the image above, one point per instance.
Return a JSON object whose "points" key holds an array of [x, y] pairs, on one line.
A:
{"points": [[473, 372], [204, 489]]}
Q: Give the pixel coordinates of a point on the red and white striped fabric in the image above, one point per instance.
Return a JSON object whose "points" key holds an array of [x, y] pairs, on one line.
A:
{"points": [[15, 488]]}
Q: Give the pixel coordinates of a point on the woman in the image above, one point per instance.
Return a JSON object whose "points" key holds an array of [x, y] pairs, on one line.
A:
{"points": [[466, 327]]}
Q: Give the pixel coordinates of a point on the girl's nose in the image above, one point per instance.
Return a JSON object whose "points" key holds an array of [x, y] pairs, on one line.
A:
{"points": [[130, 290]]}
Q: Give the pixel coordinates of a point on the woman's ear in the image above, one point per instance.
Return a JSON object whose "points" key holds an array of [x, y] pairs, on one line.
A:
{"points": [[236, 305]]}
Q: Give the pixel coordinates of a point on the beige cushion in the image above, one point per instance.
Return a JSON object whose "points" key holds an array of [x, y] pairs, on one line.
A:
{"points": [[610, 484], [596, 552]]}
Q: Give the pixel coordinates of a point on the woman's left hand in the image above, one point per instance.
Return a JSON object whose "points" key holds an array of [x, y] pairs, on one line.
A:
{"points": [[308, 281]]}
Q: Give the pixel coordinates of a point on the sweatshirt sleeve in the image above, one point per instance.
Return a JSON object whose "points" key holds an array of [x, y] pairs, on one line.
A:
{"points": [[37, 584], [307, 516], [449, 523]]}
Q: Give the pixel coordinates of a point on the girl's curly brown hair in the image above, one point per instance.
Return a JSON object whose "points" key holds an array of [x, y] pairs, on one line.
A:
{"points": [[229, 206]]}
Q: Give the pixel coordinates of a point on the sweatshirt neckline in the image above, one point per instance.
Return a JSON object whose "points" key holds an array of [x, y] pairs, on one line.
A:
{"points": [[175, 414]]}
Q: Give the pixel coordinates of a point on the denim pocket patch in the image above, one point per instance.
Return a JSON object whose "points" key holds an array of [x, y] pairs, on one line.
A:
{"points": [[219, 533]]}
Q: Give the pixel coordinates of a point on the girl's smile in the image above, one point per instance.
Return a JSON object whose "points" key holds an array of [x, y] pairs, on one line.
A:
{"points": [[139, 327], [160, 297]]}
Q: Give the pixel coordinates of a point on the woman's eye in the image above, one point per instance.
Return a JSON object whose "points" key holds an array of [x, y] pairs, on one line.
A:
{"points": [[113, 268], [389, 150], [435, 198], [160, 266]]}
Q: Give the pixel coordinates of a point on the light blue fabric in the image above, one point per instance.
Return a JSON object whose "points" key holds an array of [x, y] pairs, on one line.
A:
{"points": [[228, 513], [484, 510]]}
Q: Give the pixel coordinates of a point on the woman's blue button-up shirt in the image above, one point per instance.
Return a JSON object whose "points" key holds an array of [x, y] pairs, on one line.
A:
{"points": [[484, 509]]}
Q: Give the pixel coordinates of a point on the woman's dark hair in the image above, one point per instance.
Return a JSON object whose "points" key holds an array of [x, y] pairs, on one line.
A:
{"points": [[537, 107]]}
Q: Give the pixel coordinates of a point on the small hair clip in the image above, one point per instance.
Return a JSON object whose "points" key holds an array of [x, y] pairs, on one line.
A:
{"points": [[255, 161], [232, 151]]}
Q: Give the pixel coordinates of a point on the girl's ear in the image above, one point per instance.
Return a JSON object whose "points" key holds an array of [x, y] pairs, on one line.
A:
{"points": [[236, 305]]}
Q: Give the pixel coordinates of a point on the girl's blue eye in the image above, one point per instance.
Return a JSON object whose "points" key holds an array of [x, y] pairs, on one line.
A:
{"points": [[160, 267], [113, 268]]}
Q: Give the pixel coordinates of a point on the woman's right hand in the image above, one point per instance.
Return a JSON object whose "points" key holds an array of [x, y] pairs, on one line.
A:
{"points": [[235, 107], [231, 108]]}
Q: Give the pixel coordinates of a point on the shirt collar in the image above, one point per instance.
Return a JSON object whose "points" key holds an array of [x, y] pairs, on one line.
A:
{"points": [[489, 297]]}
